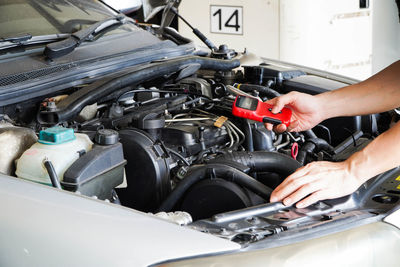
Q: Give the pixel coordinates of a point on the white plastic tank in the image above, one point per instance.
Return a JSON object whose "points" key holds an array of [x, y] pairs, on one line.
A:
{"points": [[61, 146]]}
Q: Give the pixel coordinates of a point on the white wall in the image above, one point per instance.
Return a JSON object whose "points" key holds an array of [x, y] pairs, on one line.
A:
{"points": [[332, 35], [386, 34], [260, 24], [335, 36]]}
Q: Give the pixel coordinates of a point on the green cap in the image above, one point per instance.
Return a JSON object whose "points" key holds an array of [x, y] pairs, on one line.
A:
{"points": [[56, 136]]}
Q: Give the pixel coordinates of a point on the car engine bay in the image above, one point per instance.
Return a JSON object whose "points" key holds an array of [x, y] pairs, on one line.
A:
{"points": [[161, 137]]}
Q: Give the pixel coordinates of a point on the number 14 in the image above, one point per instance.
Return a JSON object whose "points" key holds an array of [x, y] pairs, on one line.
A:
{"points": [[228, 23]]}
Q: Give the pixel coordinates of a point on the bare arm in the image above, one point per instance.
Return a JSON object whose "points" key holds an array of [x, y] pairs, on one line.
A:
{"points": [[377, 94], [325, 180]]}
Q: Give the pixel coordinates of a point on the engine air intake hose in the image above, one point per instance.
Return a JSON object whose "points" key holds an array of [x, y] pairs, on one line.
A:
{"points": [[263, 161], [199, 172]]}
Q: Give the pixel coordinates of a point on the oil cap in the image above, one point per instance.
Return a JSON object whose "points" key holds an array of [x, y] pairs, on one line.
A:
{"points": [[56, 136], [106, 137]]}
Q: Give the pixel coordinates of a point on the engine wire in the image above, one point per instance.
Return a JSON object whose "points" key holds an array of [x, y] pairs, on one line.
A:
{"points": [[229, 131], [176, 154], [187, 119], [284, 144]]}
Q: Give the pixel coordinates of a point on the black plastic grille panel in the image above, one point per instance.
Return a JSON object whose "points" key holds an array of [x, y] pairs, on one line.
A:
{"points": [[25, 76]]}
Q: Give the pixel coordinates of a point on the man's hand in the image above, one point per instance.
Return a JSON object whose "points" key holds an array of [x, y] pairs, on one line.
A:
{"points": [[316, 181], [306, 111]]}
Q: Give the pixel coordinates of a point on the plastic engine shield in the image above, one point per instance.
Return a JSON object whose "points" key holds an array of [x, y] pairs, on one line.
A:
{"points": [[147, 172]]}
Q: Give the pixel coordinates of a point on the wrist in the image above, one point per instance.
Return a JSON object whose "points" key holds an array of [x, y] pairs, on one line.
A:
{"points": [[358, 167], [323, 104], [335, 103]]}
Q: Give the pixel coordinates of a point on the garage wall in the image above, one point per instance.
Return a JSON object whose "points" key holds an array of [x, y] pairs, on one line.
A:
{"points": [[386, 34], [260, 24], [338, 36], [335, 36]]}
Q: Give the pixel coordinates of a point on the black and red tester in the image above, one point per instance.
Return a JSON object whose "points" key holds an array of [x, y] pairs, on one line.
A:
{"points": [[253, 109]]}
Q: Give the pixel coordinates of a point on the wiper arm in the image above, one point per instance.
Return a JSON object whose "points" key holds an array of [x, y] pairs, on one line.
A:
{"points": [[64, 47]]}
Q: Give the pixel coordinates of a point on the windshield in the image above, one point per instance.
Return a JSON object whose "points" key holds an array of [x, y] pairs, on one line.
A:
{"points": [[43, 17]]}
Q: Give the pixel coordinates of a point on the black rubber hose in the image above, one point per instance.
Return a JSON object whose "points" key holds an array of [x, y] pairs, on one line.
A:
{"points": [[248, 131], [199, 172], [263, 161], [310, 134], [52, 173], [311, 146], [268, 92], [306, 149], [72, 105], [177, 36]]}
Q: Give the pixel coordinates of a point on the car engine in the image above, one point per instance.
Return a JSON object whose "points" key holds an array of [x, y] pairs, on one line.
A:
{"points": [[169, 142]]}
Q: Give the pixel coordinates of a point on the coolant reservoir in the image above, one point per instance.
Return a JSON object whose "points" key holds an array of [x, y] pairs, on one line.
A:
{"points": [[59, 145]]}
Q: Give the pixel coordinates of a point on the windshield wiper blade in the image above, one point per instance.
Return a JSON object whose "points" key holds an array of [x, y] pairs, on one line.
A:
{"points": [[16, 39], [64, 47]]}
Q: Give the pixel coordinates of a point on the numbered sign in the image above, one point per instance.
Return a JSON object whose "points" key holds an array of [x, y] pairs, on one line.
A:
{"points": [[227, 19]]}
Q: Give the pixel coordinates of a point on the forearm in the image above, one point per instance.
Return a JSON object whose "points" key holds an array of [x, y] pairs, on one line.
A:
{"points": [[379, 93], [380, 155]]}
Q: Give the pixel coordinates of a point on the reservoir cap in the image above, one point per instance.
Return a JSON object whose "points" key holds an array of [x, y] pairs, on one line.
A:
{"points": [[106, 137], [56, 135]]}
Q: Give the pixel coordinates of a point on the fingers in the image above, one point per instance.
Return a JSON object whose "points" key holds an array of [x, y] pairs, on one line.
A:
{"points": [[279, 128], [281, 101], [290, 185], [299, 185], [301, 193], [317, 196], [314, 182], [308, 193], [269, 126], [279, 104]]}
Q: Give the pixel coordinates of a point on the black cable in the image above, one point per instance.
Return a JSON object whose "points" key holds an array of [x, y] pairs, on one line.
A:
{"points": [[52, 173], [173, 152], [264, 90], [328, 132]]}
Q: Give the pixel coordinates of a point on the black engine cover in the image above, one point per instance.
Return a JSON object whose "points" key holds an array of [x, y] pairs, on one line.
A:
{"points": [[187, 136], [147, 172]]}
